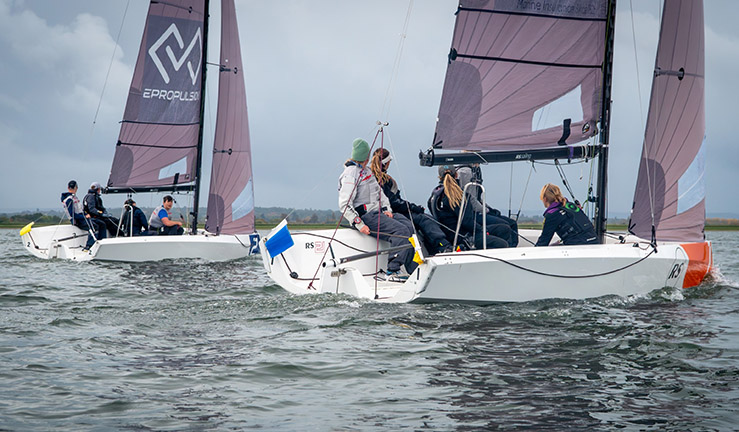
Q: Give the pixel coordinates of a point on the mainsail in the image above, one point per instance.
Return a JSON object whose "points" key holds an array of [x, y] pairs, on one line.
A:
{"points": [[157, 145], [231, 197], [516, 68], [670, 188]]}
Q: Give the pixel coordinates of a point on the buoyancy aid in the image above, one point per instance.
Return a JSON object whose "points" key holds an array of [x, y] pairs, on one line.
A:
{"points": [[575, 225], [155, 222], [72, 205]]}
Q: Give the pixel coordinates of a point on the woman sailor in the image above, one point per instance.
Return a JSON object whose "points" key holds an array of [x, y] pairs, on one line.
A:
{"points": [[434, 237], [564, 218], [364, 205], [445, 204]]}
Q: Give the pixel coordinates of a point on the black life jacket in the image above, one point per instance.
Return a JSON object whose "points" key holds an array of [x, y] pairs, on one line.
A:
{"points": [[578, 224], [434, 202]]}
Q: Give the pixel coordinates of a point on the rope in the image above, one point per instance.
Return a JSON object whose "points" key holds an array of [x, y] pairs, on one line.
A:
{"points": [[563, 176], [401, 184], [525, 189], [559, 275]]}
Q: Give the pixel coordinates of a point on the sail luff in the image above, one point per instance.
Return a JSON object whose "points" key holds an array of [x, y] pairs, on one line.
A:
{"points": [[199, 155], [231, 196], [670, 188]]}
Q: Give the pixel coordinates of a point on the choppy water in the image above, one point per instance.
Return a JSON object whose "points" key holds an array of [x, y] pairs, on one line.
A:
{"points": [[198, 346]]}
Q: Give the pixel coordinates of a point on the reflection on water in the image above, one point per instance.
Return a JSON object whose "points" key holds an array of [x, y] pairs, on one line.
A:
{"points": [[189, 345]]}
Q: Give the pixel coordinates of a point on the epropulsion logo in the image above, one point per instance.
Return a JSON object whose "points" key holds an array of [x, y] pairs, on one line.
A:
{"points": [[177, 63]]}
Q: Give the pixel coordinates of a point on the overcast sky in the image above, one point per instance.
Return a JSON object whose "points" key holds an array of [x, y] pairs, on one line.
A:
{"points": [[317, 76]]}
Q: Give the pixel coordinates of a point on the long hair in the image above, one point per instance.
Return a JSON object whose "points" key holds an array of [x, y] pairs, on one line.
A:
{"points": [[552, 194], [451, 189], [376, 165]]}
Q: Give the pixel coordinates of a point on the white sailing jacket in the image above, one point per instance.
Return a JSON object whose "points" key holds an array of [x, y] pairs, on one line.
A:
{"points": [[367, 193]]}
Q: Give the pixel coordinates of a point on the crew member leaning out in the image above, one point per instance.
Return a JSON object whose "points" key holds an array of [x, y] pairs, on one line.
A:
{"points": [[564, 218]]}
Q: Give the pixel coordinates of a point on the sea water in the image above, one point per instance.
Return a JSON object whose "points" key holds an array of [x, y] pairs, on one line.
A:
{"points": [[190, 345]]}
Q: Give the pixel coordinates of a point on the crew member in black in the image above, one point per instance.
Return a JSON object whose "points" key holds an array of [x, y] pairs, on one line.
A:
{"points": [[93, 206], [134, 220], [472, 173], [433, 237], [564, 218], [445, 203], [95, 227]]}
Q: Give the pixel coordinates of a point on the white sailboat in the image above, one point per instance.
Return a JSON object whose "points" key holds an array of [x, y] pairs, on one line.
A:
{"points": [[160, 145], [507, 61]]}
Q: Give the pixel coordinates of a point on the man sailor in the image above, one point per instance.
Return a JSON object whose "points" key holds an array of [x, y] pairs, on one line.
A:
{"points": [[75, 211], [93, 206], [161, 220]]}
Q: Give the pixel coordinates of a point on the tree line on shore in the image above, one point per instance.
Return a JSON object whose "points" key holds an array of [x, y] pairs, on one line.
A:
{"points": [[273, 215]]}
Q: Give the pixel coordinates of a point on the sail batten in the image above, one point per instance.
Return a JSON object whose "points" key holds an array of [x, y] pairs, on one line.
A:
{"points": [[508, 60], [670, 188]]}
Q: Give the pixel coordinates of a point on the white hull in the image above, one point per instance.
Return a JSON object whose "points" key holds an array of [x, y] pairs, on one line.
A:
{"points": [[67, 242], [499, 275]]}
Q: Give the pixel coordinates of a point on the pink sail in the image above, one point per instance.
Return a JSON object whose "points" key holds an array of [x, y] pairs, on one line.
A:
{"points": [[231, 197], [670, 188], [157, 145], [509, 60]]}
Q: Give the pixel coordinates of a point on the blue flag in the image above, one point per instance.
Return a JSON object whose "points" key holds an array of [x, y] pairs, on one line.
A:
{"points": [[279, 239]]}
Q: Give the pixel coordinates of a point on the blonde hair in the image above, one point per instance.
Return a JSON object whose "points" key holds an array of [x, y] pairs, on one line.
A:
{"points": [[551, 193], [451, 189], [376, 165]]}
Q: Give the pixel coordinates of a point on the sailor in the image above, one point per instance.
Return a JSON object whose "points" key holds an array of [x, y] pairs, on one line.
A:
{"points": [[93, 206], [161, 222], [75, 211], [135, 220], [433, 236], [364, 205], [564, 218], [472, 174], [445, 204]]}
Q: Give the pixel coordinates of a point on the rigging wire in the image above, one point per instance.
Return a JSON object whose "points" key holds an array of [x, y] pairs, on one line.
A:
{"points": [[385, 113], [110, 66], [650, 185], [510, 191], [525, 189]]}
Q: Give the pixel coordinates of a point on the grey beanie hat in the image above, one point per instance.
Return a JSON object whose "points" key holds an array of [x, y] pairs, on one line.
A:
{"points": [[445, 168], [360, 150]]}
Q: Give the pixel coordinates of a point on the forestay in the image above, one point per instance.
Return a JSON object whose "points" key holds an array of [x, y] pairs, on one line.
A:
{"points": [[157, 145], [231, 197], [670, 184], [509, 60]]}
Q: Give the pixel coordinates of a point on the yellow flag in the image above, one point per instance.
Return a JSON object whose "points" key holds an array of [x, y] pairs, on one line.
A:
{"points": [[417, 256]]}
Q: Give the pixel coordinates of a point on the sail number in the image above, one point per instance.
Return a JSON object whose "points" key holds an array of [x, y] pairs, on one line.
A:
{"points": [[676, 270]]}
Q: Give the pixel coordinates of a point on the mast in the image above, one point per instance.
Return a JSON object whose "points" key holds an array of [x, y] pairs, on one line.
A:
{"points": [[601, 213], [199, 158]]}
